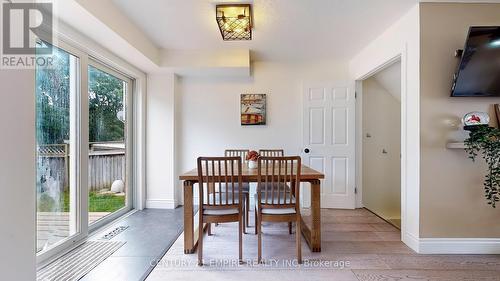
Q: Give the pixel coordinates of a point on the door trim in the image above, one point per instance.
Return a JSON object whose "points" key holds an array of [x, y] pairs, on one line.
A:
{"points": [[406, 237]]}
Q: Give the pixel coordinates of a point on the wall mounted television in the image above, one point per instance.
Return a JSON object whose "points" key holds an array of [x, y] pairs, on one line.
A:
{"points": [[478, 74]]}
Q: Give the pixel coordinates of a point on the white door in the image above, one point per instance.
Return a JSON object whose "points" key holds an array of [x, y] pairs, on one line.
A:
{"points": [[329, 140]]}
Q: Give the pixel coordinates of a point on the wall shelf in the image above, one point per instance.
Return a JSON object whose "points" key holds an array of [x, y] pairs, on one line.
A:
{"points": [[455, 145]]}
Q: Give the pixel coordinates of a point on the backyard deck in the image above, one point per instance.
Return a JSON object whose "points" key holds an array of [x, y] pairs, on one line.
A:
{"points": [[54, 226]]}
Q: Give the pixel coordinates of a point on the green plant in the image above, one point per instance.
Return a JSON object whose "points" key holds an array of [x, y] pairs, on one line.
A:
{"points": [[486, 140]]}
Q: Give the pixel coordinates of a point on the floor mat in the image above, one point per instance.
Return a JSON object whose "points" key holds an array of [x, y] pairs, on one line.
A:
{"points": [[75, 264]]}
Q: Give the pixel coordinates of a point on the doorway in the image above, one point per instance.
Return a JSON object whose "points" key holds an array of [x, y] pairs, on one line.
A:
{"points": [[380, 143]]}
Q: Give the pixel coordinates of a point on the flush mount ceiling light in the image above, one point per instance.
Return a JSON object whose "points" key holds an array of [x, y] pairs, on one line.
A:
{"points": [[235, 21]]}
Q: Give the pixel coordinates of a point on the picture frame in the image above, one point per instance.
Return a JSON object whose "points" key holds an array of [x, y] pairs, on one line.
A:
{"points": [[253, 109]]}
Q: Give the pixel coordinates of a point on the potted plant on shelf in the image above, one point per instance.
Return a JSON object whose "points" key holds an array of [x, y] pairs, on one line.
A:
{"points": [[485, 140], [252, 157]]}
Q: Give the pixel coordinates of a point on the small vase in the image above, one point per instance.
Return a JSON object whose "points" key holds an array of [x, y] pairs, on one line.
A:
{"points": [[252, 164]]}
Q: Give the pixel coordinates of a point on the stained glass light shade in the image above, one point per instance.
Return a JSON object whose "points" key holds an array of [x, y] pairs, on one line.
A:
{"points": [[235, 21]]}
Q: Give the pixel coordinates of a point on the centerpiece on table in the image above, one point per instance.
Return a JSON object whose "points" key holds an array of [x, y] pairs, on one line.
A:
{"points": [[252, 158]]}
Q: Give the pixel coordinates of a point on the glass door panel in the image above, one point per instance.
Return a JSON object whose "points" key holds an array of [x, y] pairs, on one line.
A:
{"points": [[108, 157], [56, 114]]}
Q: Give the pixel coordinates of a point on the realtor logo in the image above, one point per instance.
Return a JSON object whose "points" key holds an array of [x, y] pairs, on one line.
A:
{"points": [[24, 26]]}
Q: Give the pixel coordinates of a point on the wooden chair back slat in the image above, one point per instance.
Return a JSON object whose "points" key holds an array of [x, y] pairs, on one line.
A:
{"points": [[213, 173], [214, 181], [277, 182], [219, 182], [271, 152], [286, 191], [232, 177], [225, 179]]}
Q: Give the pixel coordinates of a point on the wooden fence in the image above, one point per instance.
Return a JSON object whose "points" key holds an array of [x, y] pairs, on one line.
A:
{"points": [[105, 166]]}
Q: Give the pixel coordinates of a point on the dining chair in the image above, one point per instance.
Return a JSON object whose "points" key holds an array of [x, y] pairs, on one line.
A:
{"points": [[278, 196], [274, 153], [218, 205], [271, 152], [237, 152], [246, 186]]}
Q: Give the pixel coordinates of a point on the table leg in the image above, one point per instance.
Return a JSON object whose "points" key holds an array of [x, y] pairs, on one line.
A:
{"points": [[188, 218], [313, 235]]}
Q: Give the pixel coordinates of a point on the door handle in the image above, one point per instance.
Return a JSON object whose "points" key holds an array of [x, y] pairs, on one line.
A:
{"points": [[306, 150]]}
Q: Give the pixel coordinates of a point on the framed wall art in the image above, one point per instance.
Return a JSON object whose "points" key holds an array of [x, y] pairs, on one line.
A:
{"points": [[253, 109]]}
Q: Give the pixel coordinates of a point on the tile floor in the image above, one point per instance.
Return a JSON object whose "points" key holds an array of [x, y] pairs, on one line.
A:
{"points": [[150, 234]]}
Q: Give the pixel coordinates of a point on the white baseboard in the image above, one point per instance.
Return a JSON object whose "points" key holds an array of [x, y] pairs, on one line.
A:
{"points": [[459, 246], [477, 246], [161, 204], [410, 241]]}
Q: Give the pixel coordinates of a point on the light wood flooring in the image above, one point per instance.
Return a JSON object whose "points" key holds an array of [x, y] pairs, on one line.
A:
{"points": [[356, 245]]}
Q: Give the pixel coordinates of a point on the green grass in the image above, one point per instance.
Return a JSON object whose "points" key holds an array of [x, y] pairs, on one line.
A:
{"points": [[105, 202], [97, 203]]}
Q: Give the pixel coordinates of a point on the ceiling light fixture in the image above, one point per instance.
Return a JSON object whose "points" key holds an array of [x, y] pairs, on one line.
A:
{"points": [[234, 21]]}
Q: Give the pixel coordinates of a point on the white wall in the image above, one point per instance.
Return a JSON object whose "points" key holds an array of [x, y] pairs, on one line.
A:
{"points": [[381, 171], [207, 63], [209, 110], [160, 142], [401, 40], [17, 175]]}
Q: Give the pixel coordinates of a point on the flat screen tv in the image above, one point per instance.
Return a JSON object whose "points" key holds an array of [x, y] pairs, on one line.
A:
{"points": [[478, 74]]}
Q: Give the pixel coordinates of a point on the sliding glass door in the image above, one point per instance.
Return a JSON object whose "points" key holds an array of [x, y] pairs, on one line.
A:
{"points": [[109, 175], [83, 151], [56, 188]]}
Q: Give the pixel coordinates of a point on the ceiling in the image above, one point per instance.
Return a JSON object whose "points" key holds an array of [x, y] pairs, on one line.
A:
{"points": [[291, 30], [390, 79]]}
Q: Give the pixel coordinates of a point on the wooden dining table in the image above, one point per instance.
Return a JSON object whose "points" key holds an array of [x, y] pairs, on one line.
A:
{"points": [[312, 233]]}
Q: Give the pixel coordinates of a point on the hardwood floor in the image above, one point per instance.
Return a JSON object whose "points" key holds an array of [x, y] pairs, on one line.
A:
{"points": [[356, 245]]}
